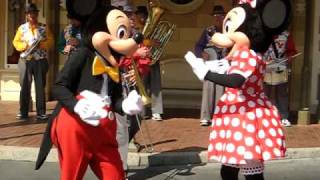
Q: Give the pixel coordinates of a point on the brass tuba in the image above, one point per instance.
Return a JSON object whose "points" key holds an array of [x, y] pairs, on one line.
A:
{"points": [[157, 31]]}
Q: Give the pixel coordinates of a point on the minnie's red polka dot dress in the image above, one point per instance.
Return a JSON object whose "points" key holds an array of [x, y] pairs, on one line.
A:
{"points": [[245, 125]]}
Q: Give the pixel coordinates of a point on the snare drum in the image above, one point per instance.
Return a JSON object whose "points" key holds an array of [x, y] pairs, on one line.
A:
{"points": [[276, 77]]}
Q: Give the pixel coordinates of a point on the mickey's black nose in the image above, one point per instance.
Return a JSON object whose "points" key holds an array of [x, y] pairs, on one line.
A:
{"points": [[138, 37]]}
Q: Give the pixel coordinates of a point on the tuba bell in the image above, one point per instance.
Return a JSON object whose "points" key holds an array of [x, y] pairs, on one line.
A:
{"points": [[157, 31]]}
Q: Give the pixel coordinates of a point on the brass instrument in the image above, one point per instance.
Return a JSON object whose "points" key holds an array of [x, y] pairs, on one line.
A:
{"points": [[139, 83], [27, 52], [157, 31]]}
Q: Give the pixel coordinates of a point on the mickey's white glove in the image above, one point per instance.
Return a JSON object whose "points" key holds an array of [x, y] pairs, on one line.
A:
{"points": [[218, 66], [90, 108], [132, 104], [199, 68]]}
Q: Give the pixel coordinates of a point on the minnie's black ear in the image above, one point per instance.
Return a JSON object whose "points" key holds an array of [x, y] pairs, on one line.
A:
{"points": [[275, 15], [82, 9]]}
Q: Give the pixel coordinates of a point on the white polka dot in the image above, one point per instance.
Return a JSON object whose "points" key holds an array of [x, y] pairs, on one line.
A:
{"points": [[258, 149], [210, 147], [266, 155], [222, 134], [274, 122], [226, 121], [248, 155], [230, 148], [231, 97], [253, 53], [269, 104], [244, 125], [272, 132], [213, 121], [252, 62], [251, 104], [219, 146], [269, 142], [280, 131], [261, 134], [253, 79], [259, 113], [242, 162], [224, 109], [228, 134], [279, 141], [233, 109], [244, 54], [241, 98], [223, 97], [251, 115], [237, 136], [236, 53], [216, 109], [250, 128], [218, 122], [276, 152], [265, 123], [213, 135], [232, 160], [224, 159], [260, 102], [235, 122], [249, 141], [241, 65], [234, 63], [267, 111], [250, 91], [241, 150], [275, 113], [242, 110]]}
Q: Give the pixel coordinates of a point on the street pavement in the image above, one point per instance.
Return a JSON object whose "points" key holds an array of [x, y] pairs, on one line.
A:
{"points": [[293, 169]]}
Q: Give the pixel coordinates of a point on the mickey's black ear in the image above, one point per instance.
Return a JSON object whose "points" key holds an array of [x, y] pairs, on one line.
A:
{"points": [[82, 9], [275, 15]]}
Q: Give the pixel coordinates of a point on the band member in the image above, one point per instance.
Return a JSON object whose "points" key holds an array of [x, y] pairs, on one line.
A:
{"points": [[246, 128], [210, 92], [278, 57], [32, 39], [89, 92], [70, 37]]}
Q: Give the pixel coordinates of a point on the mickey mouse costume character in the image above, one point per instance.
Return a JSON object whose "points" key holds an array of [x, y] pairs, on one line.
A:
{"points": [[246, 127], [83, 126]]}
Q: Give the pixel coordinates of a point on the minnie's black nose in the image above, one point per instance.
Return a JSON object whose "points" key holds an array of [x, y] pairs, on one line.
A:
{"points": [[138, 37]]}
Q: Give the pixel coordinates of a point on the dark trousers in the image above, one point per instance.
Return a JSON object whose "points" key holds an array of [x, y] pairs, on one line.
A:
{"points": [[38, 70], [280, 97]]}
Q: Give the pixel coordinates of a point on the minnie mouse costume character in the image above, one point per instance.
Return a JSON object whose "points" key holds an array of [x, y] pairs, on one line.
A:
{"points": [[83, 126], [246, 127]]}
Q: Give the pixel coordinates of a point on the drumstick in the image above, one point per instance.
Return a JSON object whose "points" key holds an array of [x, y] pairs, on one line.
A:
{"points": [[284, 59]]}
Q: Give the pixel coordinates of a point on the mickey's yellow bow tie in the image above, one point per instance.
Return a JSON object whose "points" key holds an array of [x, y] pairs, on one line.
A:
{"points": [[99, 68]]}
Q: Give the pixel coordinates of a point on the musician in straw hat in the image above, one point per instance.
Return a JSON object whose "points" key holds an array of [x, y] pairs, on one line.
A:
{"points": [[210, 92], [32, 40]]}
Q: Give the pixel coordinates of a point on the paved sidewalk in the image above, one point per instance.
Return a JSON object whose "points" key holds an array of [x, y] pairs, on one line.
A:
{"points": [[178, 139]]}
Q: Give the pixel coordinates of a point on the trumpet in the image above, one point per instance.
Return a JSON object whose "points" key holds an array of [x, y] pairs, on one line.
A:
{"points": [[27, 52]]}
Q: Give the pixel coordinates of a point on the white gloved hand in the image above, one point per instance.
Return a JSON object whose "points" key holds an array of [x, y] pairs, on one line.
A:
{"points": [[199, 68], [218, 66], [132, 104], [91, 107]]}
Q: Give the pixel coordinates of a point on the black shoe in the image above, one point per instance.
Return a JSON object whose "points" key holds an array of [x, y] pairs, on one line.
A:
{"points": [[42, 117], [22, 117]]}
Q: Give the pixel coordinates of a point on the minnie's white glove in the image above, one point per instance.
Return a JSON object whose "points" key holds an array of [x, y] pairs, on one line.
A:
{"points": [[199, 68], [218, 66], [90, 108], [132, 104]]}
